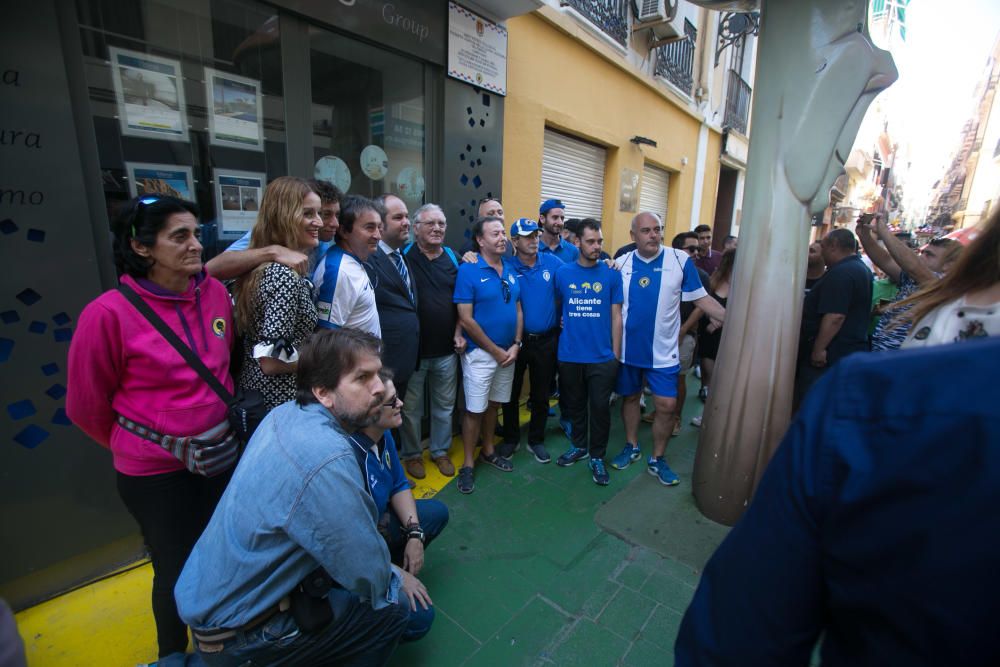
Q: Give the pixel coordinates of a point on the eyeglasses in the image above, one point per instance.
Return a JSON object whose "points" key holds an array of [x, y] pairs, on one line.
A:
{"points": [[506, 290], [486, 199], [392, 402], [690, 249]]}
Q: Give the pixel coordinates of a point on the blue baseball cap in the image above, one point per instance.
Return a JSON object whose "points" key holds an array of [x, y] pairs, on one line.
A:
{"points": [[550, 204], [523, 227]]}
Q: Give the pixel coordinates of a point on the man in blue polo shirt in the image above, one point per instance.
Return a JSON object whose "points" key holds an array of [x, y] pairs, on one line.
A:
{"points": [[536, 273], [551, 216], [591, 295], [656, 279], [489, 308]]}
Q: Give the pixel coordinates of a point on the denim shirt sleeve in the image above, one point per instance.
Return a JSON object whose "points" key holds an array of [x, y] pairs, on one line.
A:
{"points": [[334, 520]]}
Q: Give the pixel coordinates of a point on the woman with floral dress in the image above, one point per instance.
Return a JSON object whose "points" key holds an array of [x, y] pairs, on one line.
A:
{"points": [[274, 307]]}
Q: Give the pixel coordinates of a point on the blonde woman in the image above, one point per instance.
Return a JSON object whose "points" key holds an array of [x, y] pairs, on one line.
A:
{"points": [[274, 306]]}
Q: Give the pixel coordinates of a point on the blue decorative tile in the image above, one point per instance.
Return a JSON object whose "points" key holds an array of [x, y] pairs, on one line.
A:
{"points": [[37, 327], [62, 335], [36, 235], [468, 148], [6, 347], [7, 226], [50, 369], [482, 123], [479, 162], [472, 203], [472, 122], [483, 148], [21, 409], [61, 418], [62, 319], [31, 437], [468, 110], [478, 182], [464, 180], [56, 391], [9, 317], [486, 100], [461, 212], [461, 157], [29, 297], [472, 164]]}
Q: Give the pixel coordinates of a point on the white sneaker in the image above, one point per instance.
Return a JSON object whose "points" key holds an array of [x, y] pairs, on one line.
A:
{"points": [[696, 421]]}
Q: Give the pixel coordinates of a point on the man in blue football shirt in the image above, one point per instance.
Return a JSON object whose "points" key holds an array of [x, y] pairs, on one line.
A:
{"points": [[536, 274], [591, 295], [489, 308], [656, 279]]}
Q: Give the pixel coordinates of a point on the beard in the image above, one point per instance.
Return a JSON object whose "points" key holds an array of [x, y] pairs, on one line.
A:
{"points": [[356, 420]]}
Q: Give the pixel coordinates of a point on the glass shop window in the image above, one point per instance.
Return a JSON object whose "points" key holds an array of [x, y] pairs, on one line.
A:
{"points": [[187, 100], [367, 118]]}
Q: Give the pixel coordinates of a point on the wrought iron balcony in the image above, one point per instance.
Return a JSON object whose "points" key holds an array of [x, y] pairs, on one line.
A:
{"points": [[675, 61], [737, 103], [611, 16]]}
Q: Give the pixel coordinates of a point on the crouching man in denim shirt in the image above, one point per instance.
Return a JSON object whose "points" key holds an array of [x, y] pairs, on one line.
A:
{"points": [[257, 587]]}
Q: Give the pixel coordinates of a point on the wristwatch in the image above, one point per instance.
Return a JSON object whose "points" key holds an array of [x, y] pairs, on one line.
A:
{"points": [[415, 532], [519, 343]]}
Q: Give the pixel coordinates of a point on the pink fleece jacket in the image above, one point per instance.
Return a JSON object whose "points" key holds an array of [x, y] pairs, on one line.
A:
{"points": [[119, 364]]}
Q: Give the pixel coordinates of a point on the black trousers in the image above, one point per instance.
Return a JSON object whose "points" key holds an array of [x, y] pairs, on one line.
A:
{"points": [[172, 509], [585, 395], [538, 357]]}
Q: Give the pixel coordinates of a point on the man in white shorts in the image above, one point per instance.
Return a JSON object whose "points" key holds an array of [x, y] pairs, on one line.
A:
{"points": [[489, 308]]}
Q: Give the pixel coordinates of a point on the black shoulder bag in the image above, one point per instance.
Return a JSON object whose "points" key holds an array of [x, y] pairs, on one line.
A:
{"points": [[246, 409]]}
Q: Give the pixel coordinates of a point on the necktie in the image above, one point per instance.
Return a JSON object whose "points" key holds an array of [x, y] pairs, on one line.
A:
{"points": [[397, 259]]}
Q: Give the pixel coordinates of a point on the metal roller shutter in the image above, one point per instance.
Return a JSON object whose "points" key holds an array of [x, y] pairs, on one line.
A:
{"points": [[573, 172], [653, 193]]}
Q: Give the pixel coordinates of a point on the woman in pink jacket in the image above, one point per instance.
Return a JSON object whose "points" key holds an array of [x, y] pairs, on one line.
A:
{"points": [[119, 365]]}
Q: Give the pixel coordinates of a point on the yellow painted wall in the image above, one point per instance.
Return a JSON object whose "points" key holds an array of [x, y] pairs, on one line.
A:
{"points": [[555, 81]]}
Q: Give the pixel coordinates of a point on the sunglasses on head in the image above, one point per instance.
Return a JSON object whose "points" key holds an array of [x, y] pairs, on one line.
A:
{"points": [[506, 290], [140, 208]]}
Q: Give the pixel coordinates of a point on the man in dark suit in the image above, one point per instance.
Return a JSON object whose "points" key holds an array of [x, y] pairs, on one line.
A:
{"points": [[395, 292]]}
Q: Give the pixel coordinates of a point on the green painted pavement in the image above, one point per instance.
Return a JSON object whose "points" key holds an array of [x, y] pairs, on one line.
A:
{"points": [[524, 574]]}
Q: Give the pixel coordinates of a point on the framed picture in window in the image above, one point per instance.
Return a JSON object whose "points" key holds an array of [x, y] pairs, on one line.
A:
{"points": [[150, 95], [160, 179], [237, 199], [235, 117]]}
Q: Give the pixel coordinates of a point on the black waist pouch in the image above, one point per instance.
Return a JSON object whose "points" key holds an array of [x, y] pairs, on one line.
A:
{"points": [[310, 605]]}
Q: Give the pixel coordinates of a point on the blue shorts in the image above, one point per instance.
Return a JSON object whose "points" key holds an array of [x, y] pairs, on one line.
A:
{"points": [[662, 381]]}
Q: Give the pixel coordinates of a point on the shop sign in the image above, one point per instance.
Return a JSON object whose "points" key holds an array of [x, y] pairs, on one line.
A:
{"points": [[412, 26], [477, 50]]}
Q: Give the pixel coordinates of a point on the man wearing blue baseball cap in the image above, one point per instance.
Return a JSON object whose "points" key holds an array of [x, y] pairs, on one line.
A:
{"points": [[551, 215], [536, 274]]}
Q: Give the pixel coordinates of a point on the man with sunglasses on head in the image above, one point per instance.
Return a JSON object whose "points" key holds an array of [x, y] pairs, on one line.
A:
{"points": [[908, 270], [238, 258], [488, 296], [656, 280]]}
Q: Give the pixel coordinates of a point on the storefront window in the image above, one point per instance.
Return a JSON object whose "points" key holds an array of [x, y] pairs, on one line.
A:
{"points": [[186, 100], [367, 118]]}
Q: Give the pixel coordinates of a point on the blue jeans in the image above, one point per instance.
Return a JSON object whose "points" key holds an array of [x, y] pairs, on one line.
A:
{"points": [[358, 636], [440, 374]]}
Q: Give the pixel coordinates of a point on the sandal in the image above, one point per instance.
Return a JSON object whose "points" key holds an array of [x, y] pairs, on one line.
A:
{"points": [[466, 482], [497, 461]]}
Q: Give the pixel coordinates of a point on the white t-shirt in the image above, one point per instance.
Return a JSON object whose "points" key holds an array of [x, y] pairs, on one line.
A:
{"points": [[954, 322], [344, 294]]}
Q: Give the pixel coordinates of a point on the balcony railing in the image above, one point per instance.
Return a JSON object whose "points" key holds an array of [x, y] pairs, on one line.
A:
{"points": [[611, 16], [675, 61], [737, 103]]}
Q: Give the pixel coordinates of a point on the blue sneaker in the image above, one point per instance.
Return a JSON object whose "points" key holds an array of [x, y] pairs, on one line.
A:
{"points": [[567, 427], [628, 455], [599, 472], [572, 455], [552, 411], [658, 468]]}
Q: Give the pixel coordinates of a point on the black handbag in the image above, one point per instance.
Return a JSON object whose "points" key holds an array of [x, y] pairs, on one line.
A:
{"points": [[245, 409]]}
